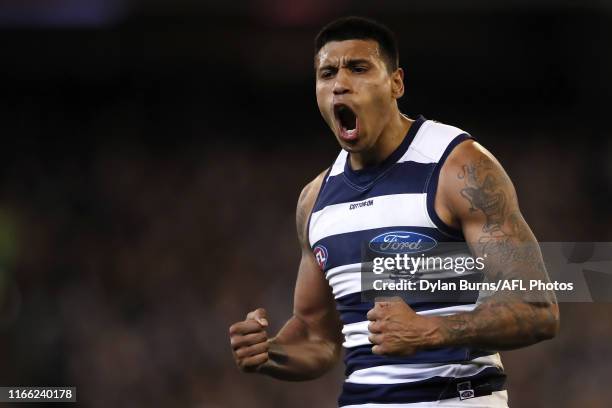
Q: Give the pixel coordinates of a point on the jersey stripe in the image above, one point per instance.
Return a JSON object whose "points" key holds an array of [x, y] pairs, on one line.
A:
{"points": [[344, 249], [340, 219], [406, 177], [496, 399], [484, 382], [399, 373]]}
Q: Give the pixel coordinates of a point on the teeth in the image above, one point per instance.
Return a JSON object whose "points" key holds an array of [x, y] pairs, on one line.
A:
{"points": [[351, 132]]}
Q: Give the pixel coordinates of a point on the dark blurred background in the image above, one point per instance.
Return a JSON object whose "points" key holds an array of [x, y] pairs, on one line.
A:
{"points": [[153, 152]]}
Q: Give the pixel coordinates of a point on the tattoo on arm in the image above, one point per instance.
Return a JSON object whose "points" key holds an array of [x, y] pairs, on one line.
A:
{"points": [[505, 319], [505, 236], [483, 192]]}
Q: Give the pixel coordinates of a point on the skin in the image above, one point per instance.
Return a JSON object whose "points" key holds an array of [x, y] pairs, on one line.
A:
{"points": [[310, 343], [474, 195], [353, 73]]}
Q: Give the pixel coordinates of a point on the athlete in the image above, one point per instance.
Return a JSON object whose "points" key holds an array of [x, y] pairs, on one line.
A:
{"points": [[397, 178]]}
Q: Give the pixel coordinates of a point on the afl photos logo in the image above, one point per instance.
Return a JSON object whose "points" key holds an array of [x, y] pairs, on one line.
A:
{"points": [[320, 254]]}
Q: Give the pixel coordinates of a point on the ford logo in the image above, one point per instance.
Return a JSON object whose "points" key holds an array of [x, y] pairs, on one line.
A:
{"points": [[402, 242]]}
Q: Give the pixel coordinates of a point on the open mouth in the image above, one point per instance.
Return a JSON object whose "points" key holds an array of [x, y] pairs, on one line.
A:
{"points": [[347, 119]]}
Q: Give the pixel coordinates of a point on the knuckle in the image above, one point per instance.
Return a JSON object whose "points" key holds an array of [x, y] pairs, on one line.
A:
{"points": [[256, 338], [250, 351], [263, 345], [245, 362], [261, 358]]}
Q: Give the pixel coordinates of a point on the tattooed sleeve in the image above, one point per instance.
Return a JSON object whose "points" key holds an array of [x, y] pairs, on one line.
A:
{"points": [[496, 230]]}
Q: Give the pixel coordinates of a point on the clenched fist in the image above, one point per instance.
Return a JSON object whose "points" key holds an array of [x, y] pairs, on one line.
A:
{"points": [[249, 341], [396, 329]]}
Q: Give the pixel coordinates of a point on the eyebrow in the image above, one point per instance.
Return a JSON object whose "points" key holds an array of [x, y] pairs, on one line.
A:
{"points": [[357, 61], [350, 63], [328, 66]]}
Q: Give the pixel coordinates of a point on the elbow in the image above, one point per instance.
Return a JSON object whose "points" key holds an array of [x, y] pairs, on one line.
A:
{"points": [[325, 355], [333, 353]]}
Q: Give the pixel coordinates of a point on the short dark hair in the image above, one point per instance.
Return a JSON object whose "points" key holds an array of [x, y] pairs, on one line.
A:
{"points": [[360, 28]]}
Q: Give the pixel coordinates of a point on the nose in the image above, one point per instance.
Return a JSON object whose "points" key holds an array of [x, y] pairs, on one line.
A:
{"points": [[341, 86]]}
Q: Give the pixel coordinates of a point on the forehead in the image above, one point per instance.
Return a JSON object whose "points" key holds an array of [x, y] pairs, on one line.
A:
{"points": [[335, 51]]}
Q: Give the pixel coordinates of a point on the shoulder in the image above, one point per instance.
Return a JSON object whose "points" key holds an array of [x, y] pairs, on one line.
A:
{"points": [[470, 159], [434, 140], [310, 191], [306, 202], [471, 172], [469, 152]]}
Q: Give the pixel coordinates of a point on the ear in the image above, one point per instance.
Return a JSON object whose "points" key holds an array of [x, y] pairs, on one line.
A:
{"points": [[397, 83]]}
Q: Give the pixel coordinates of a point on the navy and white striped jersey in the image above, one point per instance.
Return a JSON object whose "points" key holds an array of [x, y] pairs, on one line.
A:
{"points": [[354, 207]]}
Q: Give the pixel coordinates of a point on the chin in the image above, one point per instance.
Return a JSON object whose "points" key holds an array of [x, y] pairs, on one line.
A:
{"points": [[351, 147], [356, 146]]}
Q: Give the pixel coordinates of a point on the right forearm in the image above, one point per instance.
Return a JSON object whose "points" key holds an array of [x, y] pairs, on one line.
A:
{"points": [[298, 354]]}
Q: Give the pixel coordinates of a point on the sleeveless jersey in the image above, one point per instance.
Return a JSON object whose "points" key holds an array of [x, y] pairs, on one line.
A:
{"points": [[393, 198]]}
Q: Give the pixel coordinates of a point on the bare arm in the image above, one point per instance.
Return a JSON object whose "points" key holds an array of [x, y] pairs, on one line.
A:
{"points": [[476, 195], [483, 201], [309, 344]]}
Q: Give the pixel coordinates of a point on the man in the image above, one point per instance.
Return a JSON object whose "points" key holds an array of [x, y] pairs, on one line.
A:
{"points": [[396, 177]]}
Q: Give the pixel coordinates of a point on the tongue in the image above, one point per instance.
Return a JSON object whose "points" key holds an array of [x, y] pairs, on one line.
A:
{"points": [[350, 134]]}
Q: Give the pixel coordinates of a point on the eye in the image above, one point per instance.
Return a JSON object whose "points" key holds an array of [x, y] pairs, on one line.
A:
{"points": [[326, 73], [360, 69]]}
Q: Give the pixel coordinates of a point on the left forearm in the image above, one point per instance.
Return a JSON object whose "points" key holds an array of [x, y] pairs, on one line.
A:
{"points": [[499, 324]]}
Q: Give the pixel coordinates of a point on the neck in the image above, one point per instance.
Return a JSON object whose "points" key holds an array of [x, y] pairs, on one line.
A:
{"points": [[390, 138]]}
